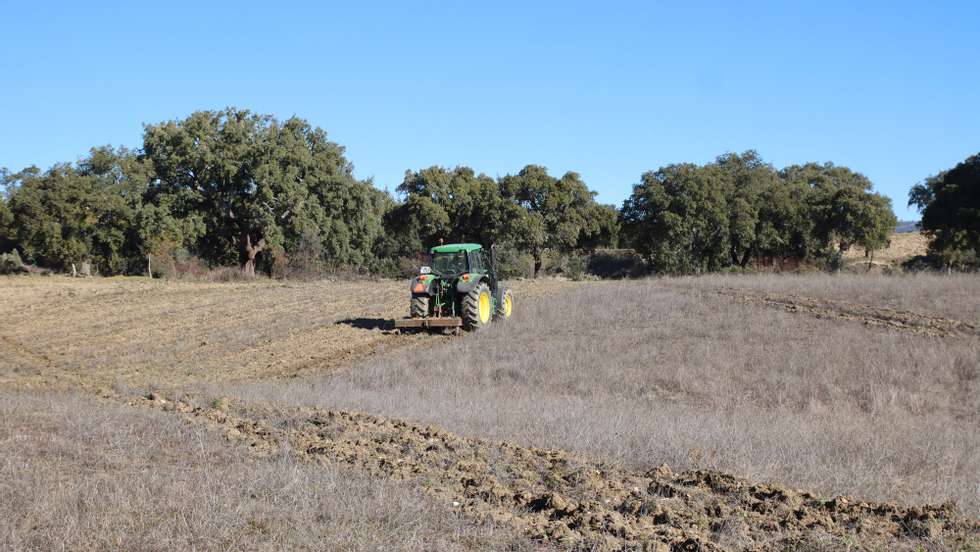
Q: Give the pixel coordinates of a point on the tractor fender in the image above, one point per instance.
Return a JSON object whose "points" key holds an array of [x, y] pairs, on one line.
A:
{"points": [[466, 287]]}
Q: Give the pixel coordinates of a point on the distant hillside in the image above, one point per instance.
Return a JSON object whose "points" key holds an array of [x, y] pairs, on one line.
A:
{"points": [[901, 247], [907, 226]]}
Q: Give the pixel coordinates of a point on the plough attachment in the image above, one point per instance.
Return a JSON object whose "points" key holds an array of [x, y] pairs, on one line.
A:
{"points": [[444, 322]]}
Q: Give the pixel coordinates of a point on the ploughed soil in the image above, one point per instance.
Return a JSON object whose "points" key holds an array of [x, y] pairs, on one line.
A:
{"points": [[65, 333], [571, 500]]}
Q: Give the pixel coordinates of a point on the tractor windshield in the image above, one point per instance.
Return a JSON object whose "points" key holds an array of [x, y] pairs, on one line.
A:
{"points": [[449, 264]]}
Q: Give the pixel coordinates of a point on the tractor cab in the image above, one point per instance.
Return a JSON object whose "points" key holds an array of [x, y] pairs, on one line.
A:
{"points": [[454, 260], [448, 264]]}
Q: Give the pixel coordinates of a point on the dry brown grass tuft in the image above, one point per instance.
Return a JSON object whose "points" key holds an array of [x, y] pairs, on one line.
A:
{"points": [[83, 475]]}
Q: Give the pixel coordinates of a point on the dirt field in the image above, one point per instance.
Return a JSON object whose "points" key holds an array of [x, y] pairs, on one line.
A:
{"points": [[69, 334], [606, 415]]}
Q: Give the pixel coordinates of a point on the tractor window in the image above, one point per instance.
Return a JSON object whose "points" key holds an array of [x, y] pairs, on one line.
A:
{"points": [[449, 264], [476, 261]]}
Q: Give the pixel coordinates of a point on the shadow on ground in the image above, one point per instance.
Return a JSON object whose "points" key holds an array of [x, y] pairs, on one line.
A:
{"points": [[368, 323]]}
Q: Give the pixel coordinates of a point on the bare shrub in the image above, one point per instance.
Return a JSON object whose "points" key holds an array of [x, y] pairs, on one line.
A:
{"points": [[11, 263], [223, 274], [305, 261]]}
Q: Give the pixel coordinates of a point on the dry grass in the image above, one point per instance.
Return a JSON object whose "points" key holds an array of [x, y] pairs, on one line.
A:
{"points": [[668, 371], [954, 295], [901, 246], [81, 475]]}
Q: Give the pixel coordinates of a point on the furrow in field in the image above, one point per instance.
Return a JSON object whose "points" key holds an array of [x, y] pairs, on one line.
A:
{"points": [[900, 320], [557, 496]]}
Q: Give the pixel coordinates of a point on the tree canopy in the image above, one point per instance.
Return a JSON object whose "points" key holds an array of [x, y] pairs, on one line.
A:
{"points": [[75, 212], [691, 219], [561, 213], [244, 184], [950, 207], [456, 205], [531, 210]]}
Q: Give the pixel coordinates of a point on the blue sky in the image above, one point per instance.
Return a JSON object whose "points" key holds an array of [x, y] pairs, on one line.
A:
{"points": [[608, 89]]}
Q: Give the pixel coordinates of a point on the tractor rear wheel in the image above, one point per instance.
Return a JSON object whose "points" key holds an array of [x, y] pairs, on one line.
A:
{"points": [[505, 305], [420, 307], [477, 308]]}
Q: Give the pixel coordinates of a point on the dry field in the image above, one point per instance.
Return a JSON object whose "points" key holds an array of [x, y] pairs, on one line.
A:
{"points": [[699, 413], [82, 475], [98, 333], [901, 247]]}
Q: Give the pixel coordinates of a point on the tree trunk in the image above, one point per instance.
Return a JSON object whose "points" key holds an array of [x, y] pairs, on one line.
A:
{"points": [[839, 257], [746, 258], [537, 264], [249, 253]]}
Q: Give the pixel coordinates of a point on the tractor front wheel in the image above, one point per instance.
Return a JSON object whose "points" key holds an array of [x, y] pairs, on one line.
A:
{"points": [[420, 307], [505, 305], [477, 308]]}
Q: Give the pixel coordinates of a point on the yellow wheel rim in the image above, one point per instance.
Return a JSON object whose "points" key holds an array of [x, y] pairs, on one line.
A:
{"points": [[484, 307], [508, 305]]}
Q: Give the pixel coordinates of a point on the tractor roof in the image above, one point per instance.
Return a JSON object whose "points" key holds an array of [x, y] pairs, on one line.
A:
{"points": [[456, 247]]}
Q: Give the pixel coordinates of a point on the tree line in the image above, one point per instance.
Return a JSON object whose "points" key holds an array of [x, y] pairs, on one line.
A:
{"points": [[233, 187], [738, 209]]}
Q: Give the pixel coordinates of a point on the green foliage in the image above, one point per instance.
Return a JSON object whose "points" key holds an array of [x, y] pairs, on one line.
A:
{"points": [[576, 267], [694, 219], [677, 217], [950, 207], [6, 221], [530, 211], [238, 187], [456, 205], [76, 213], [616, 264], [746, 180], [843, 209], [560, 214], [512, 262]]}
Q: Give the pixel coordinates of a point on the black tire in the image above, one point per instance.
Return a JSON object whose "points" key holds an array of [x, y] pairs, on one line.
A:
{"points": [[420, 307], [501, 312], [471, 308]]}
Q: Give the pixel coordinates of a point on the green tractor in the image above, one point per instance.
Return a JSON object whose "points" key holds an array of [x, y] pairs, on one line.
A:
{"points": [[458, 289]]}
